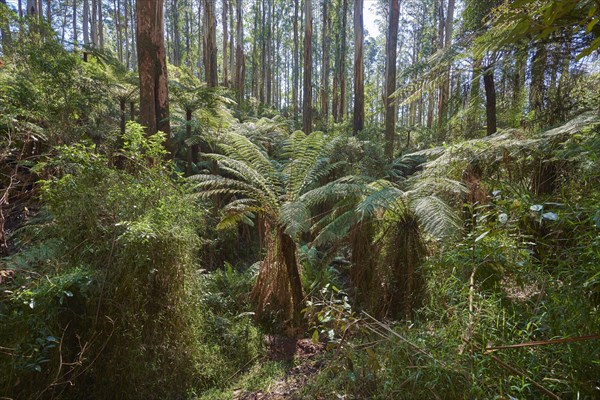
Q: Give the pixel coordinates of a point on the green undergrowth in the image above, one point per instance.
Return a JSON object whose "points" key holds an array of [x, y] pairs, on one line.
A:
{"points": [[258, 377], [525, 269], [105, 298]]}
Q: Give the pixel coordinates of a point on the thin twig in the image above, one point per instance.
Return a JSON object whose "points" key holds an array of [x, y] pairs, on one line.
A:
{"points": [[488, 350]]}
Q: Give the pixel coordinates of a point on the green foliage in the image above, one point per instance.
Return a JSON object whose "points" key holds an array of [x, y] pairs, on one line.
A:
{"points": [[525, 270], [106, 288], [530, 19]]}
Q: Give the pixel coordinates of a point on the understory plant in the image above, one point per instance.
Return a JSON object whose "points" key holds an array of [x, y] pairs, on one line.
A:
{"points": [[104, 297]]}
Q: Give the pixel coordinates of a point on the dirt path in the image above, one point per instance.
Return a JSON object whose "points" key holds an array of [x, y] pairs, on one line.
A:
{"points": [[304, 352]]}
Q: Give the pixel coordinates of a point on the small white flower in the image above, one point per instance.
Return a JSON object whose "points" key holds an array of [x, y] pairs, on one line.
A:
{"points": [[503, 218]]}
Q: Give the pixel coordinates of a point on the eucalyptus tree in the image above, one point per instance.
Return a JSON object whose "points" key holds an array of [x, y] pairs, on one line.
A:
{"points": [[390, 78], [358, 122], [307, 86], [152, 66]]}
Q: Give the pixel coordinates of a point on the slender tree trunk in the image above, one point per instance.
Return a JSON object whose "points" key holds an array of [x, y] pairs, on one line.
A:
{"points": [[224, 16], [359, 88], [20, 7], [342, 70], [255, 32], [100, 25], [241, 63], [263, 53], [176, 34], [118, 27], [390, 79], [490, 99], [126, 26], [446, 29], [63, 30], [152, 66], [210, 56], [188, 135], [74, 15], [188, 33], [295, 63], [132, 29], [307, 97], [269, 72], [200, 39], [122, 107], [49, 12], [232, 48], [325, 66], [94, 24], [86, 19]]}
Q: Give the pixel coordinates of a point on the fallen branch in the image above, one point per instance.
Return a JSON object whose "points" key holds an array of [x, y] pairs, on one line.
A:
{"points": [[541, 343], [521, 374]]}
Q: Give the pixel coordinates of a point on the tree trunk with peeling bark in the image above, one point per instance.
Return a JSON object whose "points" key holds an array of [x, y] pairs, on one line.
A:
{"points": [[152, 66]]}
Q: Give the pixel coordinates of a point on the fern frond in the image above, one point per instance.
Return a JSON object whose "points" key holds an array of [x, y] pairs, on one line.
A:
{"points": [[295, 217], [435, 216]]}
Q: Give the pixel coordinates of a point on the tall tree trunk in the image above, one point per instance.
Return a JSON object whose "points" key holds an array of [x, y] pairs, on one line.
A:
{"points": [[210, 56], [152, 66], [224, 16], [240, 72], [295, 64], [100, 25], [126, 43], [255, 33], [390, 79], [94, 25], [269, 72], [307, 96], [132, 29], [325, 66], [176, 34], [118, 28], [20, 7], [490, 99], [63, 28], [86, 22], [446, 29], [188, 33], [263, 53], [232, 48], [342, 69], [359, 79], [74, 15], [200, 39]]}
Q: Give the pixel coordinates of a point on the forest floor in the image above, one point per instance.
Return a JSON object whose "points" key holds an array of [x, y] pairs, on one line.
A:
{"points": [[303, 358]]}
